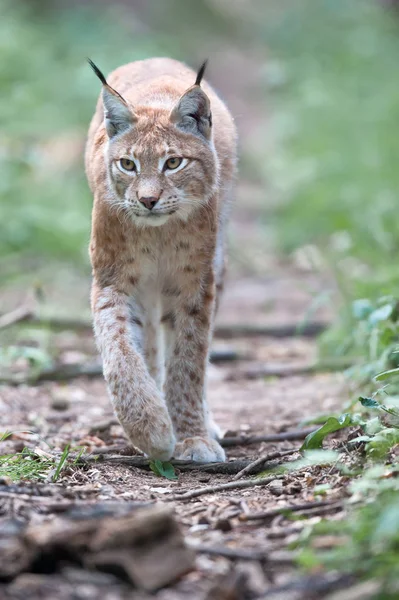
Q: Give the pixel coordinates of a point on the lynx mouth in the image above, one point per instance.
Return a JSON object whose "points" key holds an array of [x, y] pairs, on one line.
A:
{"points": [[152, 214], [153, 219]]}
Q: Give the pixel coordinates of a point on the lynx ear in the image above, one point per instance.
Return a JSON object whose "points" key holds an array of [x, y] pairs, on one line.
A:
{"points": [[192, 114], [118, 116]]}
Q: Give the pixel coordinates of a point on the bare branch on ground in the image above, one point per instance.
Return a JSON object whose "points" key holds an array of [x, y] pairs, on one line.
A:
{"points": [[257, 464], [285, 436], [277, 558], [223, 331], [222, 487], [315, 507], [287, 370]]}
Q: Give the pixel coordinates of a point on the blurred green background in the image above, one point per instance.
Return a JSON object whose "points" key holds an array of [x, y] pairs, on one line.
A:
{"points": [[312, 84]]}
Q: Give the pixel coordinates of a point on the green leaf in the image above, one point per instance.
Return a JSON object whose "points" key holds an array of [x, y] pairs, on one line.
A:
{"points": [[314, 440], [369, 402], [386, 374], [380, 314], [155, 466], [382, 443], [163, 469], [61, 463], [373, 426], [169, 471], [361, 308]]}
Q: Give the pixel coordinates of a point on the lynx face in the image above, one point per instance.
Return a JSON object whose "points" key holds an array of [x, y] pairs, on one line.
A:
{"points": [[156, 172]]}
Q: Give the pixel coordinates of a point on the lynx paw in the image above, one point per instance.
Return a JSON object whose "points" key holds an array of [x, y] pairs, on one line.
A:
{"points": [[152, 432], [199, 449]]}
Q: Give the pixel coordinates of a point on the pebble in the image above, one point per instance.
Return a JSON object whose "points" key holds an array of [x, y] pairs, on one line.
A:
{"points": [[276, 487]]}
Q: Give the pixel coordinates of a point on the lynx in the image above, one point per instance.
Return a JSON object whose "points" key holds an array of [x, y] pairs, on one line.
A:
{"points": [[161, 162]]}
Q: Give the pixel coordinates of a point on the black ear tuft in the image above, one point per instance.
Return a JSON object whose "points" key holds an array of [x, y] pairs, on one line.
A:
{"points": [[97, 72], [201, 72]]}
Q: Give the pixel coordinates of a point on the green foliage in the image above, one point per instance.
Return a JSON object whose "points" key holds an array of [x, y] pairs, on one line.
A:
{"points": [[30, 465], [61, 462], [35, 359], [367, 539], [314, 440], [331, 160], [25, 465], [163, 469], [373, 403], [368, 330], [48, 97]]}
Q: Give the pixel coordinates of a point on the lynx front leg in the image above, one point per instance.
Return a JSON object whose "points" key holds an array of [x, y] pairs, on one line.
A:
{"points": [[138, 404], [186, 377]]}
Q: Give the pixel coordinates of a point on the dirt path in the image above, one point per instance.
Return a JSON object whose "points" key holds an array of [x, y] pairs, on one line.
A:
{"points": [[77, 413]]}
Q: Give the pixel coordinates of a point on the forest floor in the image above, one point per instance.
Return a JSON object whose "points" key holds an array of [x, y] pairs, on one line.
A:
{"points": [[236, 556]]}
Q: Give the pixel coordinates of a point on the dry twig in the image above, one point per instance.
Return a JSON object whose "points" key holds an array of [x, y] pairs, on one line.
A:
{"points": [[309, 329], [257, 464], [94, 369], [284, 370], [140, 462], [277, 558], [227, 331], [222, 487], [315, 507], [285, 436], [19, 315]]}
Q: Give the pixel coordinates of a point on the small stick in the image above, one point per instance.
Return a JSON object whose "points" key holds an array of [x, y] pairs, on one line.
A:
{"points": [[293, 435], [278, 558], [140, 462], [310, 329], [310, 584], [43, 499], [284, 370], [227, 331], [113, 450], [94, 369], [307, 506], [19, 315], [244, 483], [259, 462]]}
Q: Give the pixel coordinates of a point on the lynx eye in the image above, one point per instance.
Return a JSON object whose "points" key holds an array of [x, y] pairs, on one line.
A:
{"points": [[127, 164], [173, 163]]}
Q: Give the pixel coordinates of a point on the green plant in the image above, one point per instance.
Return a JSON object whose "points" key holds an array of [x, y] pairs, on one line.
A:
{"points": [[329, 152], [367, 538], [30, 465], [365, 542], [163, 469], [314, 440], [25, 466]]}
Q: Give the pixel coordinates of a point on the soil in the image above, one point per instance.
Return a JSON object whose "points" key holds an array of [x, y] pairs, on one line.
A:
{"points": [[79, 413]]}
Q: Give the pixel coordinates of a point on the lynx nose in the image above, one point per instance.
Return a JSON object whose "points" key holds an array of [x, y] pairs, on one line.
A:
{"points": [[149, 201]]}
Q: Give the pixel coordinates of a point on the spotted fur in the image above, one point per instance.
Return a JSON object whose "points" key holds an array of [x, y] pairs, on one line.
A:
{"points": [[156, 272]]}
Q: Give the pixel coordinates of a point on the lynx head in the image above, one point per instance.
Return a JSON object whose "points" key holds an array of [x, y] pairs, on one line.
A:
{"points": [[161, 161]]}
